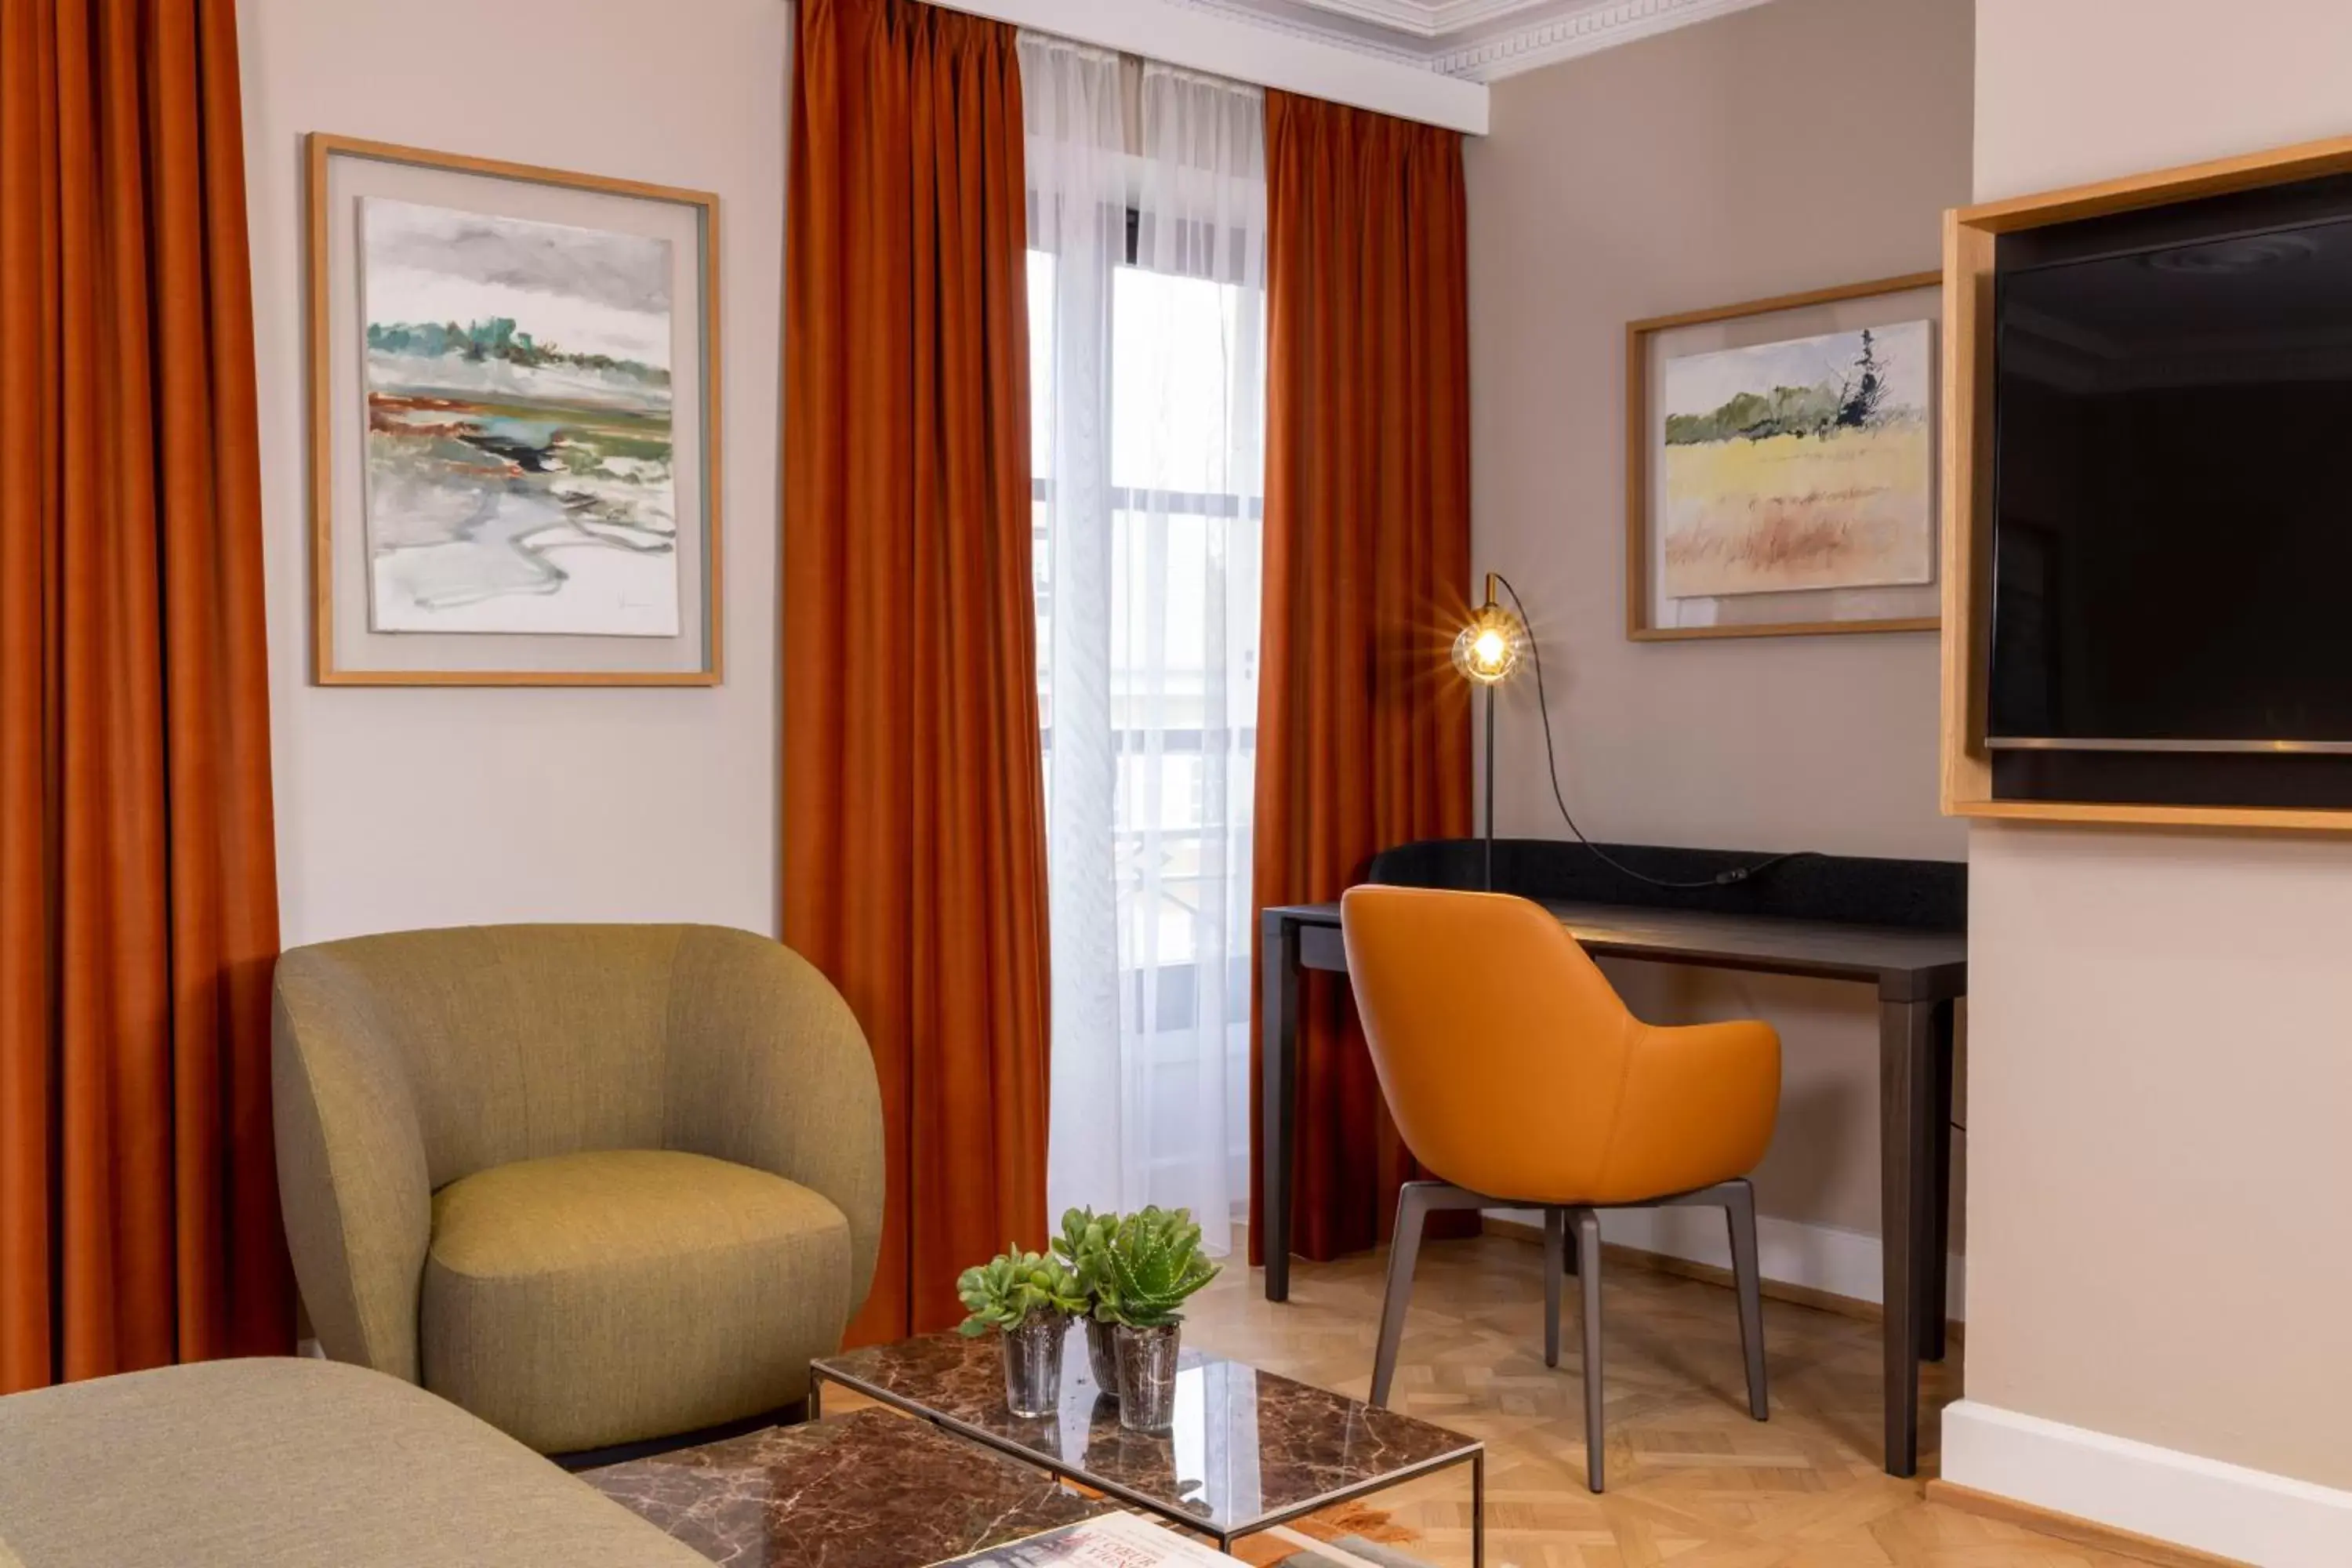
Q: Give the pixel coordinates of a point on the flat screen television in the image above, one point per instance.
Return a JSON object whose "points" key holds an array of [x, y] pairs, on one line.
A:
{"points": [[2173, 479]]}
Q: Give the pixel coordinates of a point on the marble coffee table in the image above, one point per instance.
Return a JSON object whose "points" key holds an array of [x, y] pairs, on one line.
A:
{"points": [[1250, 1450], [866, 1489]]}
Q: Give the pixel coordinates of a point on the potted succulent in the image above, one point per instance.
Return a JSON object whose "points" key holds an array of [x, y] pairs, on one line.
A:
{"points": [[1029, 1298], [1151, 1264], [1084, 1245]]}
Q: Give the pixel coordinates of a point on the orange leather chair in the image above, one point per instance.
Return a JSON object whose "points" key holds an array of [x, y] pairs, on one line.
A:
{"points": [[1517, 1074]]}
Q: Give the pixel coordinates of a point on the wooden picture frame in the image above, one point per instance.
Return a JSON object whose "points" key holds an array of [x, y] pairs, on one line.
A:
{"points": [[1969, 236], [1643, 621], [343, 655]]}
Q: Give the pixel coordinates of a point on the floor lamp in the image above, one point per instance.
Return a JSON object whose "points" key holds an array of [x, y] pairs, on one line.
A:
{"points": [[1487, 652]]}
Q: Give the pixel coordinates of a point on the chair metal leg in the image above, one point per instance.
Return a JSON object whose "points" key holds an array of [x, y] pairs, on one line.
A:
{"points": [[1555, 1254], [1739, 1209], [1404, 1246], [1737, 1199], [1588, 1271]]}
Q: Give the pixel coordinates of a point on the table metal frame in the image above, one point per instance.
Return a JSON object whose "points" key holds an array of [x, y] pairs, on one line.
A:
{"points": [[1472, 1453]]}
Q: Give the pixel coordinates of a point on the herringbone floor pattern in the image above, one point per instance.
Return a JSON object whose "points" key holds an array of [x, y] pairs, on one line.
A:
{"points": [[1692, 1480]]}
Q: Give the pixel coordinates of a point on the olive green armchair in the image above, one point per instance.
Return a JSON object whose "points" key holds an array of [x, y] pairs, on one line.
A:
{"points": [[596, 1184]]}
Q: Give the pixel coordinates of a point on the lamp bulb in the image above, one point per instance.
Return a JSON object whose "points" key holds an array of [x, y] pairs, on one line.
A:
{"points": [[1487, 649]]}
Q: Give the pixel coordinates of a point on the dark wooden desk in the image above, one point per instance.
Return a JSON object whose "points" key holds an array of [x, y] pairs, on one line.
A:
{"points": [[1919, 975]]}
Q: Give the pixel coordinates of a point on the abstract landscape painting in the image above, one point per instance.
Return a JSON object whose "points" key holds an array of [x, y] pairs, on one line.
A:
{"points": [[1801, 464], [518, 425]]}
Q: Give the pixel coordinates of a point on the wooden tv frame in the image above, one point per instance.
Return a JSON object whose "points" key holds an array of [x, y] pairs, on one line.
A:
{"points": [[1966, 566]]}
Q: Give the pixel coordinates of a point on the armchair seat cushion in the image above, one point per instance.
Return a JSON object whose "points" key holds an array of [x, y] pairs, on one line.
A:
{"points": [[582, 1301]]}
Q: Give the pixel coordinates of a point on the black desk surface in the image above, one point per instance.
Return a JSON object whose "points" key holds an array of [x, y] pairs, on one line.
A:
{"points": [[1907, 965]]}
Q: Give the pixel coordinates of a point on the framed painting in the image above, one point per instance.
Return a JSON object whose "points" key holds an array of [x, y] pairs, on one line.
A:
{"points": [[514, 424], [1780, 465]]}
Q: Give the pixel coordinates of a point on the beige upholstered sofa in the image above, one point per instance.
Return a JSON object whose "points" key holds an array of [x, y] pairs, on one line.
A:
{"points": [[290, 1463], [594, 1183]]}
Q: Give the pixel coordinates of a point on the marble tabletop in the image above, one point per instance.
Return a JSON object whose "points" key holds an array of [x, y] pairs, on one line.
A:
{"points": [[870, 1488], [1249, 1448]]}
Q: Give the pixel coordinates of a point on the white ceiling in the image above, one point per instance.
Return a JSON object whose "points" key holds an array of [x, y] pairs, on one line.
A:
{"points": [[1477, 40]]}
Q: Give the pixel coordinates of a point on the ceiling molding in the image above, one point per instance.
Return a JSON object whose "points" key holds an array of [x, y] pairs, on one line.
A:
{"points": [[1419, 60], [1249, 14], [1234, 40], [1413, 18], [1474, 40], [1585, 33], [1431, 19]]}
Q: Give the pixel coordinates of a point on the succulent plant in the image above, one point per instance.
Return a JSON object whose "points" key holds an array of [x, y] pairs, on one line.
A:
{"points": [[1151, 1264], [1004, 1291], [1083, 1245]]}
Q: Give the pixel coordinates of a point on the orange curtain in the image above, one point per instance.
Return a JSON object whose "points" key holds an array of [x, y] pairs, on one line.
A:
{"points": [[914, 796], [138, 905], [1363, 728]]}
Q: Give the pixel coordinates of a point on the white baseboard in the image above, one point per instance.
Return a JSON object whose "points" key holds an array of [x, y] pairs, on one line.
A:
{"points": [[2227, 1509], [1817, 1256]]}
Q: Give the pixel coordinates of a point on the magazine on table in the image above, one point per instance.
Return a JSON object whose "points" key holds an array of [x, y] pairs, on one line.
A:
{"points": [[1113, 1541]]}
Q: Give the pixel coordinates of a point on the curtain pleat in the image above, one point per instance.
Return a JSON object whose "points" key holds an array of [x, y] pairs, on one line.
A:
{"points": [[1363, 728], [914, 833], [138, 904]]}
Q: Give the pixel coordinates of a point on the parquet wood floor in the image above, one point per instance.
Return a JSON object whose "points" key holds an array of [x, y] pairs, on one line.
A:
{"points": [[1692, 1480]]}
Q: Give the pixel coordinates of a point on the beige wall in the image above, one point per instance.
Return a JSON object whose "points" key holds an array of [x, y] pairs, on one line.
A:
{"points": [[1800, 144], [410, 807], [2161, 1074]]}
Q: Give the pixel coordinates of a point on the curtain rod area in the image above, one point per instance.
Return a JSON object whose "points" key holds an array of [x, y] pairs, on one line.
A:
{"points": [[1204, 40]]}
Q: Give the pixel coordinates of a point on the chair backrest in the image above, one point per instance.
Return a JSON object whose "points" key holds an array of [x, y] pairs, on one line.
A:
{"points": [[1498, 1042], [515, 1042]]}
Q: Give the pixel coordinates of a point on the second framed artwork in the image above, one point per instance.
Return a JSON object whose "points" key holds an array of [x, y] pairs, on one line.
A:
{"points": [[514, 424], [1780, 465]]}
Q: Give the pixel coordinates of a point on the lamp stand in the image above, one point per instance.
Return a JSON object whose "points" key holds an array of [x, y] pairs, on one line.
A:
{"points": [[1490, 789]]}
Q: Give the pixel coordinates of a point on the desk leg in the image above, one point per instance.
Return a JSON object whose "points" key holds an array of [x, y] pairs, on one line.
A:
{"points": [[1277, 1094], [1938, 1272], [1906, 1145]]}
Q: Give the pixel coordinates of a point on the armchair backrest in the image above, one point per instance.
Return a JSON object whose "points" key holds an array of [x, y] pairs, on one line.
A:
{"points": [[510, 1041]]}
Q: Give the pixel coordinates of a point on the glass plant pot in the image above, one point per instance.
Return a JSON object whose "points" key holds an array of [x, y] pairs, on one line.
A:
{"points": [[1146, 1376], [1033, 1364], [1102, 1356]]}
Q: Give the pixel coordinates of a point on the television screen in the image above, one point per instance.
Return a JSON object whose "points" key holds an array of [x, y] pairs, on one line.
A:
{"points": [[2172, 478]]}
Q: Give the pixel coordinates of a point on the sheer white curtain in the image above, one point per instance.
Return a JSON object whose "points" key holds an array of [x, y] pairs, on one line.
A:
{"points": [[1147, 300]]}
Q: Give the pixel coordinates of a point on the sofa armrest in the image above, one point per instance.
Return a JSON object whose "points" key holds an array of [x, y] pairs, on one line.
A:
{"points": [[768, 1068], [352, 1174]]}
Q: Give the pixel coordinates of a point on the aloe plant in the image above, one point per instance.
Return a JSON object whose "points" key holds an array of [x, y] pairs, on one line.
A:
{"points": [[1151, 1264], [1004, 1291]]}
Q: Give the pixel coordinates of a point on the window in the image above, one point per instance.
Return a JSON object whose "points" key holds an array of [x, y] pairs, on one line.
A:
{"points": [[1146, 288]]}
